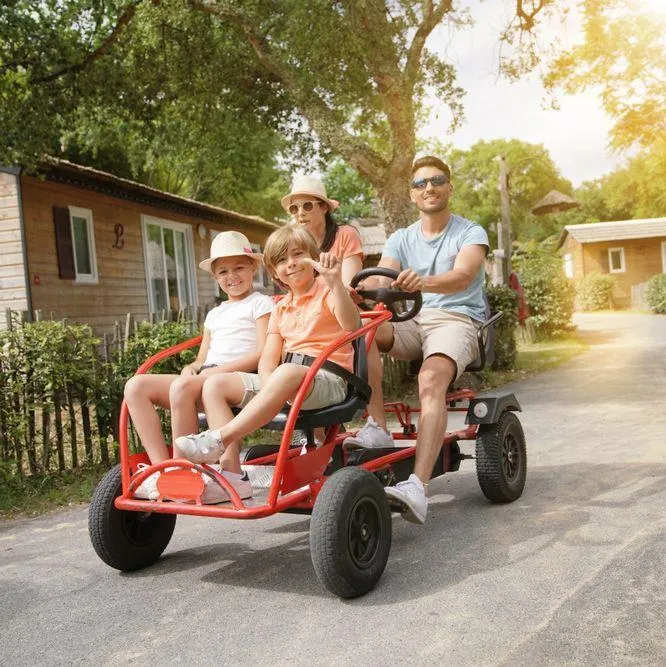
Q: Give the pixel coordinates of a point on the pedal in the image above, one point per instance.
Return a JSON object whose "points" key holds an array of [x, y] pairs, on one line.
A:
{"points": [[260, 476], [180, 486]]}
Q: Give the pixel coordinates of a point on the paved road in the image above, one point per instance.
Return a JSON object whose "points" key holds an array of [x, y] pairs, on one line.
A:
{"points": [[573, 572]]}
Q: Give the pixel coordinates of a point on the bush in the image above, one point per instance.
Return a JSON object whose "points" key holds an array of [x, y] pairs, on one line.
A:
{"points": [[595, 291], [504, 299], [548, 292], [656, 293]]}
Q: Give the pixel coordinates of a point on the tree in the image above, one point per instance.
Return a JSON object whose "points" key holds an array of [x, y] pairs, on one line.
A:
{"points": [[350, 189], [532, 174], [623, 52], [356, 77]]}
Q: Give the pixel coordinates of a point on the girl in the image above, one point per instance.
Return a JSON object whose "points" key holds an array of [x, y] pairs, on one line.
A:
{"points": [[233, 339], [317, 310]]}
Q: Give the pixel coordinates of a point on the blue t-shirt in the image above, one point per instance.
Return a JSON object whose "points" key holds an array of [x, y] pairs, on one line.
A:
{"points": [[432, 257]]}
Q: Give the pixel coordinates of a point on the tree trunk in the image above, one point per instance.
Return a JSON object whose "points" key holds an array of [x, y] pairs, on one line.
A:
{"points": [[395, 207]]}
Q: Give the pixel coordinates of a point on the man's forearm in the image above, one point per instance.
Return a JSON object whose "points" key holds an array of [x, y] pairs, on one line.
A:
{"points": [[448, 283]]}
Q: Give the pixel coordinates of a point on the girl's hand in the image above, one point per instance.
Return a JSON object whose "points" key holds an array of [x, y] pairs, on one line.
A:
{"points": [[329, 267], [188, 370]]}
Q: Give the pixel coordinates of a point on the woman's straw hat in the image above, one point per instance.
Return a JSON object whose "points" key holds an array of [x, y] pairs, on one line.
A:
{"points": [[308, 185], [230, 244]]}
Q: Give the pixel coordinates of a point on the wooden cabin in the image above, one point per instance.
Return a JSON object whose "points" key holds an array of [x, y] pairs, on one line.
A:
{"points": [[89, 246]]}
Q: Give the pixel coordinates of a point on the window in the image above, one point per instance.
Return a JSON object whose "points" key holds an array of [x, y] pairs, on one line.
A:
{"points": [[169, 258], [616, 260], [83, 245], [568, 265]]}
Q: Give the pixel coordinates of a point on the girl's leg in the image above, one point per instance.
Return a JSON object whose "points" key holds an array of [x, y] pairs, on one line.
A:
{"points": [[185, 399], [142, 394], [220, 392]]}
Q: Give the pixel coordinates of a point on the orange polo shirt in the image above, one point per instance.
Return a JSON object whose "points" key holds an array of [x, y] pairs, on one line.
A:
{"points": [[307, 324], [347, 243]]}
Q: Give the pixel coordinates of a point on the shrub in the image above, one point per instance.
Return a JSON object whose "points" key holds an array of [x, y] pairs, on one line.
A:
{"points": [[656, 293], [504, 299], [595, 291], [548, 292]]}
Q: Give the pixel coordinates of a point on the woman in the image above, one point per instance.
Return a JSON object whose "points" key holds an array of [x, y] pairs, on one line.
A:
{"points": [[310, 208]]}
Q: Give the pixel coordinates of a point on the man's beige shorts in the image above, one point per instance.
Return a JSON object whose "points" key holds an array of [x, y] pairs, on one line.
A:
{"points": [[327, 389], [437, 331]]}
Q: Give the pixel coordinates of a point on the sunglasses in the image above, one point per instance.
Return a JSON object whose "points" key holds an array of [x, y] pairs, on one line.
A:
{"points": [[422, 183], [307, 206]]}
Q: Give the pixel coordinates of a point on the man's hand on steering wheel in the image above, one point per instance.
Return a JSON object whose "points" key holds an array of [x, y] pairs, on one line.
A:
{"points": [[409, 281]]}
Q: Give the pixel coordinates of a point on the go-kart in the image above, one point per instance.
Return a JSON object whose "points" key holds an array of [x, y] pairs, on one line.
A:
{"points": [[350, 527]]}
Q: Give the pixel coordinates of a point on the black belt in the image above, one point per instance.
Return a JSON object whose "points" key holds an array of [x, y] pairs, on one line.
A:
{"points": [[361, 387]]}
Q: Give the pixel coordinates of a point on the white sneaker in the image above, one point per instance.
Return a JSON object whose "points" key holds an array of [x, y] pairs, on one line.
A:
{"points": [[410, 494], [214, 493], [147, 490], [204, 447], [371, 436]]}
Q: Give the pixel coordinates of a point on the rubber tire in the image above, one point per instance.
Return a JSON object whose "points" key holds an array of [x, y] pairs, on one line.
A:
{"points": [[501, 480], [125, 540], [345, 494]]}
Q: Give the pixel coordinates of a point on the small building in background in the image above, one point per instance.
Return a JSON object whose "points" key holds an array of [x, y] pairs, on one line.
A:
{"points": [[631, 250], [373, 238], [92, 247]]}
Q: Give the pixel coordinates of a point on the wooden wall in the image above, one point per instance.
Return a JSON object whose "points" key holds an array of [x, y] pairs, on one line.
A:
{"points": [[642, 260], [122, 278], [12, 277]]}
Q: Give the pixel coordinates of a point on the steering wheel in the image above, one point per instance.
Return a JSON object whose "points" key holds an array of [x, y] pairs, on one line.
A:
{"points": [[387, 295]]}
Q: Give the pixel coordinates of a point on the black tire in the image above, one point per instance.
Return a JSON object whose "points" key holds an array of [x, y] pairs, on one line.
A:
{"points": [[350, 532], [501, 459], [125, 540]]}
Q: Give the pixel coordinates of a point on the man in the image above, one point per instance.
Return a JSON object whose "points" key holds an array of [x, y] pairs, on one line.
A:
{"points": [[441, 255]]}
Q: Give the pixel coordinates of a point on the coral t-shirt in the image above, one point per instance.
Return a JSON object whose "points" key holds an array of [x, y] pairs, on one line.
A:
{"points": [[307, 324], [347, 243]]}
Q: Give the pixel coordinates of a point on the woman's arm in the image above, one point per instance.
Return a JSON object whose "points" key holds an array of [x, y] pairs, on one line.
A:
{"points": [[351, 265]]}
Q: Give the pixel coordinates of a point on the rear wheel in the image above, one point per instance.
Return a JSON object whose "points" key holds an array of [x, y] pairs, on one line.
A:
{"points": [[501, 459], [125, 540], [350, 532]]}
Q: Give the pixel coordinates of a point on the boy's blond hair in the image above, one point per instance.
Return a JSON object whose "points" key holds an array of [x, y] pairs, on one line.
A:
{"points": [[277, 246]]}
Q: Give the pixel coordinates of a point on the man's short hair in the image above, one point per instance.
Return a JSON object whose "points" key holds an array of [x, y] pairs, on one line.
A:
{"points": [[431, 161]]}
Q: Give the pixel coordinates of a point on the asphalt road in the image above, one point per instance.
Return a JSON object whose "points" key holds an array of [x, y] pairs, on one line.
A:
{"points": [[573, 572]]}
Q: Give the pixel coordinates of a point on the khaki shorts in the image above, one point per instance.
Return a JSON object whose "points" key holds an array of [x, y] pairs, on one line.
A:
{"points": [[437, 331], [327, 389]]}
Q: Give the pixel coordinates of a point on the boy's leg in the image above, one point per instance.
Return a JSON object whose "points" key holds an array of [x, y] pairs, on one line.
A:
{"points": [[142, 394]]}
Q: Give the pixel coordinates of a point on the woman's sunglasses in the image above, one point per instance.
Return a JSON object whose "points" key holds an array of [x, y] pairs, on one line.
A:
{"points": [[307, 206], [422, 183]]}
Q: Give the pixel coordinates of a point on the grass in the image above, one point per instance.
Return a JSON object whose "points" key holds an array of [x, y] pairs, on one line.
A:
{"points": [[37, 495]]}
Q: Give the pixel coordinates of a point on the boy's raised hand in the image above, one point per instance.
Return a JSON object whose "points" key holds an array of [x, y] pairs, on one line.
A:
{"points": [[329, 267]]}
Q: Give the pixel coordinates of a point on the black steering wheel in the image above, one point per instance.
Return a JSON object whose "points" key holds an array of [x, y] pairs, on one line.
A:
{"points": [[387, 295]]}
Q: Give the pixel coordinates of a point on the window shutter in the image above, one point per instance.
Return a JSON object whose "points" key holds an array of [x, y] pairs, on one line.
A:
{"points": [[603, 260], [64, 247]]}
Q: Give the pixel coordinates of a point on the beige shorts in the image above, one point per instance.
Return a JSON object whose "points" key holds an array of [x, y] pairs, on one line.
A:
{"points": [[327, 389], [437, 331]]}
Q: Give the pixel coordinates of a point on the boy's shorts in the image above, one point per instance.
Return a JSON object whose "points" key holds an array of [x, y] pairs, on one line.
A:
{"points": [[327, 389], [437, 331]]}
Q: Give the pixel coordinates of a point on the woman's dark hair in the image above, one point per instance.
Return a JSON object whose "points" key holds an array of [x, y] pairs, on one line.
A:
{"points": [[329, 233]]}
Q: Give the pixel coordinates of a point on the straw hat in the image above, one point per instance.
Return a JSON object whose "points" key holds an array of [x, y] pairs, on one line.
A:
{"points": [[230, 244], [308, 185]]}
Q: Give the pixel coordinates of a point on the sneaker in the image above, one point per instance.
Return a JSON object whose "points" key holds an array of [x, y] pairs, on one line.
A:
{"points": [[371, 436], [204, 447], [411, 496], [147, 490], [214, 493]]}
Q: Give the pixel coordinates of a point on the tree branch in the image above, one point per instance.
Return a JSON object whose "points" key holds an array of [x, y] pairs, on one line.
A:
{"points": [[123, 21], [527, 19], [432, 15]]}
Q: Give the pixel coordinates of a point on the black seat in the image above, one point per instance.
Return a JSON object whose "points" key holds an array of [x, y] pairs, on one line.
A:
{"points": [[351, 408]]}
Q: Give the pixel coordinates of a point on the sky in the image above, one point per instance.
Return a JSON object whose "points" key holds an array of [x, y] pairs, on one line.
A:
{"points": [[576, 135]]}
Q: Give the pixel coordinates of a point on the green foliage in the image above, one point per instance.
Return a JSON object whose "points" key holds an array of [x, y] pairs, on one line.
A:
{"points": [[623, 52], [532, 174], [656, 293], [595, 291], [548, 292], [350, 189], [504, 299]]}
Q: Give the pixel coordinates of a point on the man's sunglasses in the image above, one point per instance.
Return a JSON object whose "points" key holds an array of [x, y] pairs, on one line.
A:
{"points": [[422, 183], [307, 206]]}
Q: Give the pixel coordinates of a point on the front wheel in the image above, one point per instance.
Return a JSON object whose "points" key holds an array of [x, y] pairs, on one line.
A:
{"points": [[125, 540], [350, 532], [501, 459]]}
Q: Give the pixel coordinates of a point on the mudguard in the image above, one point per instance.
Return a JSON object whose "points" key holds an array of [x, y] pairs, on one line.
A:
{"points": [[487, 408]]}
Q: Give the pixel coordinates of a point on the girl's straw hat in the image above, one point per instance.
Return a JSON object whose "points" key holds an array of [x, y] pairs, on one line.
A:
{"points": [[308, 185], [230, 244]]}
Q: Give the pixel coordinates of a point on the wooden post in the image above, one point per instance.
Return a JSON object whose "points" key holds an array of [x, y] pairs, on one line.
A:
{"points": [[128, 329], [72, 427]]}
